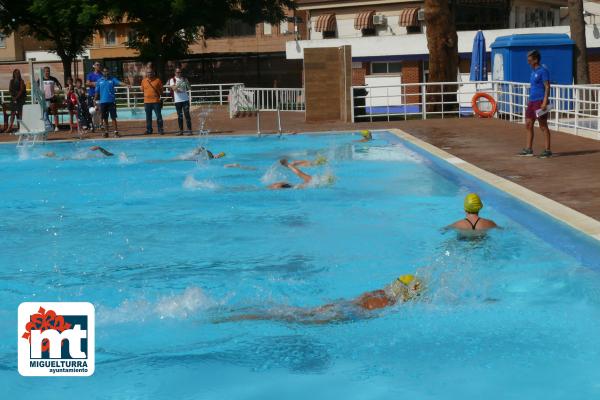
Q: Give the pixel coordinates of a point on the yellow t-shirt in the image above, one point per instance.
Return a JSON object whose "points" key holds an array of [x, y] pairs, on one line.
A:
{"points": [[151, 95]]}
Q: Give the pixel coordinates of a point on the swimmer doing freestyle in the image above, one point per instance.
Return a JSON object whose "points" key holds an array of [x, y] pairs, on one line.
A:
{"points": [[286, 185], [403, 289]]}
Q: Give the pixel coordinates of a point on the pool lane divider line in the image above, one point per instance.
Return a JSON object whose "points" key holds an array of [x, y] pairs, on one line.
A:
{"points": [[559, 211]]}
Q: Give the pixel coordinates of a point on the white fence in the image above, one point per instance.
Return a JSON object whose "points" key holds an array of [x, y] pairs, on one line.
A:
{"points": [[133, 97], [245, 99], [576, 108]]}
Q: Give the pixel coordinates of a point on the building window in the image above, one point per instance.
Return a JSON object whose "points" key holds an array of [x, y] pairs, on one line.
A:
{"points": [[413, 29], [329, 35], [2, 41], [368, 32], [132, 36], [267, 28], [392, 67], [472, 15], [236, 27], [110, 37], [284, 27]]}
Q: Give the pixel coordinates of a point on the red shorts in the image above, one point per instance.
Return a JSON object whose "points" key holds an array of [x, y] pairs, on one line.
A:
{"points": [[532, 107]]}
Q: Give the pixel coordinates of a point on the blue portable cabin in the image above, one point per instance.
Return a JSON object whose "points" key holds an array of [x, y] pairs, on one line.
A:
{"points": [[509, 60]]}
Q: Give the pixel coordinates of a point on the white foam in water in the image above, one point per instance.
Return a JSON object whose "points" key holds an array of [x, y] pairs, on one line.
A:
{"points": [[391, 153], [177, 306], [273, 174], [188, 155], [325, 179], [192, 184], [23, 153], [123, 159], [80, 154]]}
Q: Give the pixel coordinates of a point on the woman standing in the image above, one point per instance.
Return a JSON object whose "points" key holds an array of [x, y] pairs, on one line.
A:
{"points": [[18, 93]]}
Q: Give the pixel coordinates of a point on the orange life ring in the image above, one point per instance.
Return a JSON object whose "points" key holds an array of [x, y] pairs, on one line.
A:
{"points": [[484, 114]]}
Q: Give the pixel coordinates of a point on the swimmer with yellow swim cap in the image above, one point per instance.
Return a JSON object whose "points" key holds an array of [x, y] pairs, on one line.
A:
{"points": [[201, 150], [402, 289], [306, 179], [367, 136], [318, 161], [472, 221]]}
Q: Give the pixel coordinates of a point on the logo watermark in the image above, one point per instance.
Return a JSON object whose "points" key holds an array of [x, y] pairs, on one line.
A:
{"points": [[56, 339]]}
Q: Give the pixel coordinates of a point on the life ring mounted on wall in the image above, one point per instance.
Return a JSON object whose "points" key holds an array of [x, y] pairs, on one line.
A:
{"points": [[477, 111]]}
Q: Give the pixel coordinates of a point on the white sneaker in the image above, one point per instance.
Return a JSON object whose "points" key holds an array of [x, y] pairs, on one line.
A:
{"points": [[56, 129]]}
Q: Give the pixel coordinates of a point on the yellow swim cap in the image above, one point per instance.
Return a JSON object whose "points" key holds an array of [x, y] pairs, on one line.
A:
{"points": [[473, 203], [220, 155], [366, 134], [406, 279], [404, 287], [320, 160]]}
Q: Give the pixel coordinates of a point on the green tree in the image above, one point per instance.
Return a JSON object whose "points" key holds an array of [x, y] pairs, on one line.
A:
{"points": [[68, 24], [164, 29]]}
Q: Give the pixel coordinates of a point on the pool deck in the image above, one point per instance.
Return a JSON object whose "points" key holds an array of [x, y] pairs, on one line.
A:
{"points": [[571, 177]]}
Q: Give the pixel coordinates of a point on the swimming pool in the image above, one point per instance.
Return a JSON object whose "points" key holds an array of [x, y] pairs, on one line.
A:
{"points": [[163, 248], [139, 113]]}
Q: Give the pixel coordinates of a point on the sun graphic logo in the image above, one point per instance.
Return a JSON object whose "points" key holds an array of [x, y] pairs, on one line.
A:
{"points": [[56, 339]]}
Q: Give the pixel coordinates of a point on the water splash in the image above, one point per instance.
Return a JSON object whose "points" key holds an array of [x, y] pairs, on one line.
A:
{"points": [[177, 306], [273, 174], [123, 159], [191, 183]]}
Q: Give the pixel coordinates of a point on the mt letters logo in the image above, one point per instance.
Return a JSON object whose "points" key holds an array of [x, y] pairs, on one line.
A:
{"points": [[56, 339]]}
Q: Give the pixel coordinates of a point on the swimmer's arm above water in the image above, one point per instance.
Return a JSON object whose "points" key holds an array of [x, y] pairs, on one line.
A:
{"points": [[305, 177], [102, 150]]}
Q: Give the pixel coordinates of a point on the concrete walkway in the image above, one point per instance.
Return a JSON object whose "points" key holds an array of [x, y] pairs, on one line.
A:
{"points": [[571, 177]]}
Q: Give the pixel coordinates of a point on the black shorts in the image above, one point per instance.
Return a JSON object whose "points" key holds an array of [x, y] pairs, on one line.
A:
{"points": [[108, 108]]}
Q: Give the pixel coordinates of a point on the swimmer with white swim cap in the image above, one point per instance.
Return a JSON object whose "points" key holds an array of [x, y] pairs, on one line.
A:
{"points": [[472, 221], [403, 289]]}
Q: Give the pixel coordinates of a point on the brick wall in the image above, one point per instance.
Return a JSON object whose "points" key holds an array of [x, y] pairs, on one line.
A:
{"points": [[358, 74], [411, 73], [594, 68], [327, 83]]}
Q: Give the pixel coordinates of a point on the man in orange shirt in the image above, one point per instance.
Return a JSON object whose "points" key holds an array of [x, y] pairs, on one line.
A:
{"points": [[152, 87]]}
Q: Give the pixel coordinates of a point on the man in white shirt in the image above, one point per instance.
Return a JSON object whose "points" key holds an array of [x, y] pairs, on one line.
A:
{"points": [[180, 87], [49, 85]]}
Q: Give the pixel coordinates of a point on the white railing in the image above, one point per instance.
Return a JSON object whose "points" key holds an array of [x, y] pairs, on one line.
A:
{"points": [[576, 108], [199, 94], [273, 99], [132, 97], [245, 99]]}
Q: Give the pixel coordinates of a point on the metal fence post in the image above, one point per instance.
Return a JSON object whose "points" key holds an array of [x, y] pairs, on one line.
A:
{"points": [[128, 102], [576, 93], [352, 105], [423, 101], [220, 94]]}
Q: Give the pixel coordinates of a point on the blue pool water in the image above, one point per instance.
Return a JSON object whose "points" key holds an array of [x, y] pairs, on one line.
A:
{"points": [[164, 248], [139, 113]]}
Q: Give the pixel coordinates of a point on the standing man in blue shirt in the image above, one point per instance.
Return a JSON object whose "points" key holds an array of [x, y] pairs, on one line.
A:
{"points": [[538, 103], [105, 95], [90, 82]]}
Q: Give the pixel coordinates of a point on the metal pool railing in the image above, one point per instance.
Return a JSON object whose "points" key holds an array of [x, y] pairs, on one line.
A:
{"points": [[576, 108]]}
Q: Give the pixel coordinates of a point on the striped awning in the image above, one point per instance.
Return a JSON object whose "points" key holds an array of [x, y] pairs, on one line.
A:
{"points": [[325, 23], [364, 20], [409, 17]]}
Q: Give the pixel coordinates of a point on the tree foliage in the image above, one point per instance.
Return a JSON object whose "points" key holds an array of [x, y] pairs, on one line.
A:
{"points": [[164, 29], [69, 24]]}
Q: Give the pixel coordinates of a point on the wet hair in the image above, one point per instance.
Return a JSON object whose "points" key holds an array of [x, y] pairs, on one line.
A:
{"points": [[78, 80], [535, 55], [286, 186]]}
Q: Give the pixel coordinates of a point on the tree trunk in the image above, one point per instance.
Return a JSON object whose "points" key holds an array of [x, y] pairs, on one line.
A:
{"points": [[67, 62], [577, 23], [442, 42]]}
